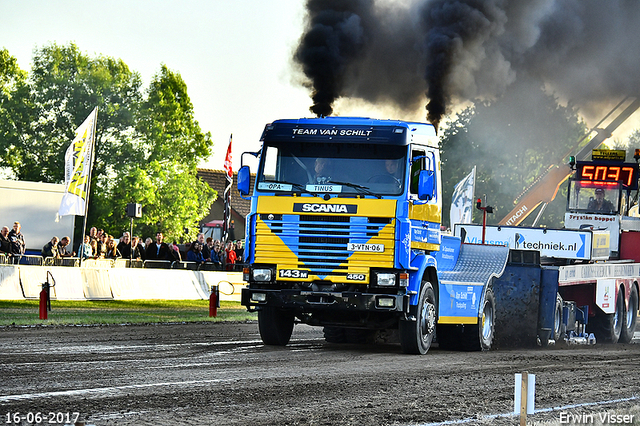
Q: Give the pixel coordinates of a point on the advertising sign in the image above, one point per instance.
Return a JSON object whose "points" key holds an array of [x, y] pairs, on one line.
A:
{"points": [[556, 243]]}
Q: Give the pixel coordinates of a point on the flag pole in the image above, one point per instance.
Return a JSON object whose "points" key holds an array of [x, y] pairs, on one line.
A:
{"points": [[228, 167], [93, 156]]}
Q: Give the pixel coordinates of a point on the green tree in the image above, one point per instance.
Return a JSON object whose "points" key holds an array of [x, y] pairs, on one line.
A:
{"points": [[511, 140], [147, 144], [12, 80]]}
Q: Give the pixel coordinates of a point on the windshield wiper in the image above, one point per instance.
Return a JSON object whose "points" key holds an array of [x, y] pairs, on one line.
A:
{"points": [[297, 186], [361, 189]]}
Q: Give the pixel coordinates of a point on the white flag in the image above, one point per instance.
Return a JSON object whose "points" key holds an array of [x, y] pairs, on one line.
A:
{"points": [[462, 200], [77, 168]]}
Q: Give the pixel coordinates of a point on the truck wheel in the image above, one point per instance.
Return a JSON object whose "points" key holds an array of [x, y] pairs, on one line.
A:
{"points": [[557, 319], [630, 317], [608, 327], [487, 321], [416, 336], [557, 331], [275, 326]]}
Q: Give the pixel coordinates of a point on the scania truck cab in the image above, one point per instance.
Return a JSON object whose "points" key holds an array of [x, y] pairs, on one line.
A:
{"points": [[344, 229]]}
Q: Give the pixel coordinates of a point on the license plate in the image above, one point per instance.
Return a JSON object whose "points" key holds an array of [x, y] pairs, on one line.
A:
{"points": [[372, 248]]}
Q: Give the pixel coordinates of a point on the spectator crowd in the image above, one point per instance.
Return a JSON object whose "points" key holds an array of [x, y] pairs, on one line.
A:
{"points": [[100, 245]]}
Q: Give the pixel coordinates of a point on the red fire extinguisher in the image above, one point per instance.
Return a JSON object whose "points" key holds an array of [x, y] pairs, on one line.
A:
{"points": [[44, 295], [214, 301]]}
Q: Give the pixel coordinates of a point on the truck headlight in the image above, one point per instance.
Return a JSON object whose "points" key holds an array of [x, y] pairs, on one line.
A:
{"points": [[258, 297], [262, 274], [385, 279], [385, 302]]}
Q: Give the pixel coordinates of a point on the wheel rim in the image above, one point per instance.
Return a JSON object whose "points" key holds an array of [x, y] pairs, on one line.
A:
{"points": [[556, 322], [487, 321], [427, 321]]}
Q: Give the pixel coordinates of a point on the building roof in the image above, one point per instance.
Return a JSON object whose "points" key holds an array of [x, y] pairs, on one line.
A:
{"points": [[217, 181]]}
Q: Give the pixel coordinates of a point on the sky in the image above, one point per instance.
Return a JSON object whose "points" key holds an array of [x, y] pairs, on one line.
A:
{"points": [[234, 56]]}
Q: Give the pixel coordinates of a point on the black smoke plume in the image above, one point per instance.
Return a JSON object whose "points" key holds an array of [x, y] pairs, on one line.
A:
{"points": [[334, 38], [393, 52]]}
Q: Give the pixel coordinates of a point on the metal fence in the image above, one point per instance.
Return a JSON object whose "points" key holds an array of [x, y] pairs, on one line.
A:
{"points": [[7, 259]]}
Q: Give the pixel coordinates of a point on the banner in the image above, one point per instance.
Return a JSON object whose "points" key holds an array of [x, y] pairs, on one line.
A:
{"points": [[462, 200], [228, 168], [78, 162]]}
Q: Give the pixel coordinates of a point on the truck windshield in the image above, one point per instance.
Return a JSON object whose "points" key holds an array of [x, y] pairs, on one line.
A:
{"points": [[332, 167], [587, 197]]}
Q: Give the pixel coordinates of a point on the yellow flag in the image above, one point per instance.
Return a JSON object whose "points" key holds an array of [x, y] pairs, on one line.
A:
{"points": [[77, 168]]}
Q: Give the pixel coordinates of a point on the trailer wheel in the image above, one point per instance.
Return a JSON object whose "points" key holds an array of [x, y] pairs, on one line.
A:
{"points": [[275, 326], [557, 319], [630, 317], [608, 327], [416, 336], [557, 331]]}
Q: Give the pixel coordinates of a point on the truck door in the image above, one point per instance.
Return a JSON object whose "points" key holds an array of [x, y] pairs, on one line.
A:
{"points": [[425, 215]]}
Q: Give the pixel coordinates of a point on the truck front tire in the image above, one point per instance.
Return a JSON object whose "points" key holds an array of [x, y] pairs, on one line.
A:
{"points": [[276, 326], [416, 336]]}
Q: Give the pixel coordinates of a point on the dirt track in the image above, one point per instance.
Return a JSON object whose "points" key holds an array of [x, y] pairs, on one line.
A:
{"points": [[200, 374]]}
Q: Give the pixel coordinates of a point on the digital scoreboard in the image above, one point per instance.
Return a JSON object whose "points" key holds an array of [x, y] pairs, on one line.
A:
{"points": [[607, 172]]}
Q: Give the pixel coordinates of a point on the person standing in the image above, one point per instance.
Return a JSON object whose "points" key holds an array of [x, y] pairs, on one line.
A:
{"points": [[124, 246], [138, 250], [62, 248], [5, 243], [206, 252], [231, 256], [17, 241], [158, 250], [85, 251], [195, 253], [51, 249]]}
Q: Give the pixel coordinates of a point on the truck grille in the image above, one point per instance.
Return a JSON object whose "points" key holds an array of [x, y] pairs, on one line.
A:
{"points": [[319, 243]]}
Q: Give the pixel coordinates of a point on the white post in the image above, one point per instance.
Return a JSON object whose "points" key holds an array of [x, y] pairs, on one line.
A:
{"points": [[524, 395]]}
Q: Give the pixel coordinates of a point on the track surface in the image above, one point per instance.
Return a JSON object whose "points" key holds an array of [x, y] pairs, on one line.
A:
{"points": [[201, 374]]}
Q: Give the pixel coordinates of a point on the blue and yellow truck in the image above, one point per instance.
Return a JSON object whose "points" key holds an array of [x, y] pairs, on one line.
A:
{"points": [[344, 232]]}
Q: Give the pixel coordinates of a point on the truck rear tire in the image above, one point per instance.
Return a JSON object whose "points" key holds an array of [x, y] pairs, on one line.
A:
{"points": [[630, 317], [556, 333], [276, 326], [416, 336], [608, 327]]}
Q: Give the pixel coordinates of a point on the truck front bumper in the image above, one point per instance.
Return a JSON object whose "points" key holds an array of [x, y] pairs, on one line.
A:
{"points": [[309, 301]]}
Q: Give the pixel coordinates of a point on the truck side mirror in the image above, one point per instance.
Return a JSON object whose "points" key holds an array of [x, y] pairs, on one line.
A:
{"points": [[244, 180], [426, 185]]}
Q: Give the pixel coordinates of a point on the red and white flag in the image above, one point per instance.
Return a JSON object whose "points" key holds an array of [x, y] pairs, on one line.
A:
{"points": [[228, 168], [228, 164]]}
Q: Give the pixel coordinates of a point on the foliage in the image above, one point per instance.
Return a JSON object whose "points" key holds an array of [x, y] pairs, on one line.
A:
{"points": [[511, 140], [147, 144]]}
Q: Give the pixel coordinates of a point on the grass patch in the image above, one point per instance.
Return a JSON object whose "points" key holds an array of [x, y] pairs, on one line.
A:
{"points": [[65, 312]]}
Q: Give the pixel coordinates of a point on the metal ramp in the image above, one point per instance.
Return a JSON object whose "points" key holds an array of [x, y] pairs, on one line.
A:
{"points": [[476, 264]]}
